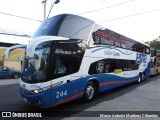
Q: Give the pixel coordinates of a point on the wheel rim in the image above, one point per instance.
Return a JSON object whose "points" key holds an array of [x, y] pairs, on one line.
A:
{"points": [[90, 91], [139, 78], [15, 76]]}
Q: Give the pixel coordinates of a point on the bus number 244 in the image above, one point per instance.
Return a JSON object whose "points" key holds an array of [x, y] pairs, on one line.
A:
{"points": [[61, 94]]}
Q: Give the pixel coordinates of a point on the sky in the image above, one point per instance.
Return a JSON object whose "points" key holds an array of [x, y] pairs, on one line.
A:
{"points": [[136, 19]]}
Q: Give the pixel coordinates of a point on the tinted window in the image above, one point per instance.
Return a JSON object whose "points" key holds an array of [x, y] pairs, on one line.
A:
{"points": [[120, 64], [102, 66], [132, 65], [76, 27], [4, 68], [50, 26], [66, 25], [67, 59], [36, 68], [110, 65]]}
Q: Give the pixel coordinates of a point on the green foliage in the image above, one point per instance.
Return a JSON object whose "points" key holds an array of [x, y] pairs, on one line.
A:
{"points": [[154, 44]]}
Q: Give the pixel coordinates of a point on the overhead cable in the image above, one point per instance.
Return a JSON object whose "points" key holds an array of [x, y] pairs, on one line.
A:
{"points": [[96, 10], [130, 15], [20, 35], [20, 17]]}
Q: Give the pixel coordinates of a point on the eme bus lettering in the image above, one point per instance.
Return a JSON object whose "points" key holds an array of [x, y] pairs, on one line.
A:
{"points": [[141, 58]]}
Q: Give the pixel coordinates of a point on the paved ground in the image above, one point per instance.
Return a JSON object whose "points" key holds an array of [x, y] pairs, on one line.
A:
{"points": [[135, 97], [146, 97], [8, 81]]}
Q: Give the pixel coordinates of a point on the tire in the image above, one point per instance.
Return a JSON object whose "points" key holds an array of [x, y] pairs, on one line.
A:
{"points": [[139, 78], [90, 91], [15, 76], [143, 77]]}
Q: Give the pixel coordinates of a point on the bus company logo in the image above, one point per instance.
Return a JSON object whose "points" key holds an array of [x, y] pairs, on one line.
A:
{"points": [[100, 66], [141, 58]]}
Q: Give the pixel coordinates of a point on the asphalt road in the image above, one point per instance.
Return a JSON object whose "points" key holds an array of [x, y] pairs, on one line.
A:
{"points": [[133, 97]]}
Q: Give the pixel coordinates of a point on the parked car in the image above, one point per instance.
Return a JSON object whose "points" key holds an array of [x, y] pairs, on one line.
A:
{"points": [[5, 72]]}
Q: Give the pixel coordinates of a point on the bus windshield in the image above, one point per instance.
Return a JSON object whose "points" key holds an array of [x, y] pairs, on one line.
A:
{"points": [[52, 60], [35, 68]]}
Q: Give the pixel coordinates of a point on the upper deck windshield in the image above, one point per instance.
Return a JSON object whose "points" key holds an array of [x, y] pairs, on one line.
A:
{"points": [[65, 25], [36, 67]]}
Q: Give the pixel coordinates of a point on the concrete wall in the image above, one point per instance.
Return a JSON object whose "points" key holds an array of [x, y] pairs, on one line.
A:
{"points": [[2, 52], [1, 63], [16, 55], [15, 65], [15, 58]]}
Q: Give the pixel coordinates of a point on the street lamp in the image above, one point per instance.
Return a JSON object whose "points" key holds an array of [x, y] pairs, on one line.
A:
{"points": [[44, 2], [55, 2]]}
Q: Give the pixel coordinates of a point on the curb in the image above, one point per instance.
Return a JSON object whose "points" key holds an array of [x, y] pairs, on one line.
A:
{"points": [[8, 82]]}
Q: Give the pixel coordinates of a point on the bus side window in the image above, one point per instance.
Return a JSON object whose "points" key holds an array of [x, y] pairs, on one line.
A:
{"points": [[102, 66], [132, 65], [121, 64]]}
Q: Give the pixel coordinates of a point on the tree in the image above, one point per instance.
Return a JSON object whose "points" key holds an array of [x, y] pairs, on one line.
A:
{"points": [[154, 44]]}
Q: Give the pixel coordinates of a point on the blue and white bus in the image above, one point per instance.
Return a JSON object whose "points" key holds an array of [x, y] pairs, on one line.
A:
{"points": [[70, 57]]}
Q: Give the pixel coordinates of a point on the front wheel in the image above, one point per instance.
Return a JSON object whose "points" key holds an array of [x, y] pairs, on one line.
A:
{"points": [[15, 76], [90, 91]]}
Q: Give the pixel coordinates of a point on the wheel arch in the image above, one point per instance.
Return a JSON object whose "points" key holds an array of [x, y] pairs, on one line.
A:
{"points": [[96, 81], [91, 89]]}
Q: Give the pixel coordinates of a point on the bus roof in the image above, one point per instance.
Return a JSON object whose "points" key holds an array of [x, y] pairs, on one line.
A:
{"points": [[66, 25]]}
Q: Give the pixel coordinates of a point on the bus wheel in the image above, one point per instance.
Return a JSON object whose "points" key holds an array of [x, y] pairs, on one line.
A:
{"points": [[90, 91], [139, 78]]}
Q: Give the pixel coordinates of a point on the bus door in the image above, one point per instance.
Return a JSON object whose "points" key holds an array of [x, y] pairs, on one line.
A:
{"points": [[61, 78], [66, 59]]}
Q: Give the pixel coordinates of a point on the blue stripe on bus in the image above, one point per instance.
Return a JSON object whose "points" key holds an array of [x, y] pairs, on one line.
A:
{"points": [[75, 89]]}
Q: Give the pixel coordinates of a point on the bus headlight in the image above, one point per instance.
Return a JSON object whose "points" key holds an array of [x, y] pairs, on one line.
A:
{"points": [[41, 90], [37, 91]]}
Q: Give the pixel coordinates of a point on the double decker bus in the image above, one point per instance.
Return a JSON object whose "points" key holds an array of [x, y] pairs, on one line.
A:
{"points": [[70, 57], [155, 62]]}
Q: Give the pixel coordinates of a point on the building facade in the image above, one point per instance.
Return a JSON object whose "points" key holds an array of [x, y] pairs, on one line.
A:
{"points": [[15, 60]]}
